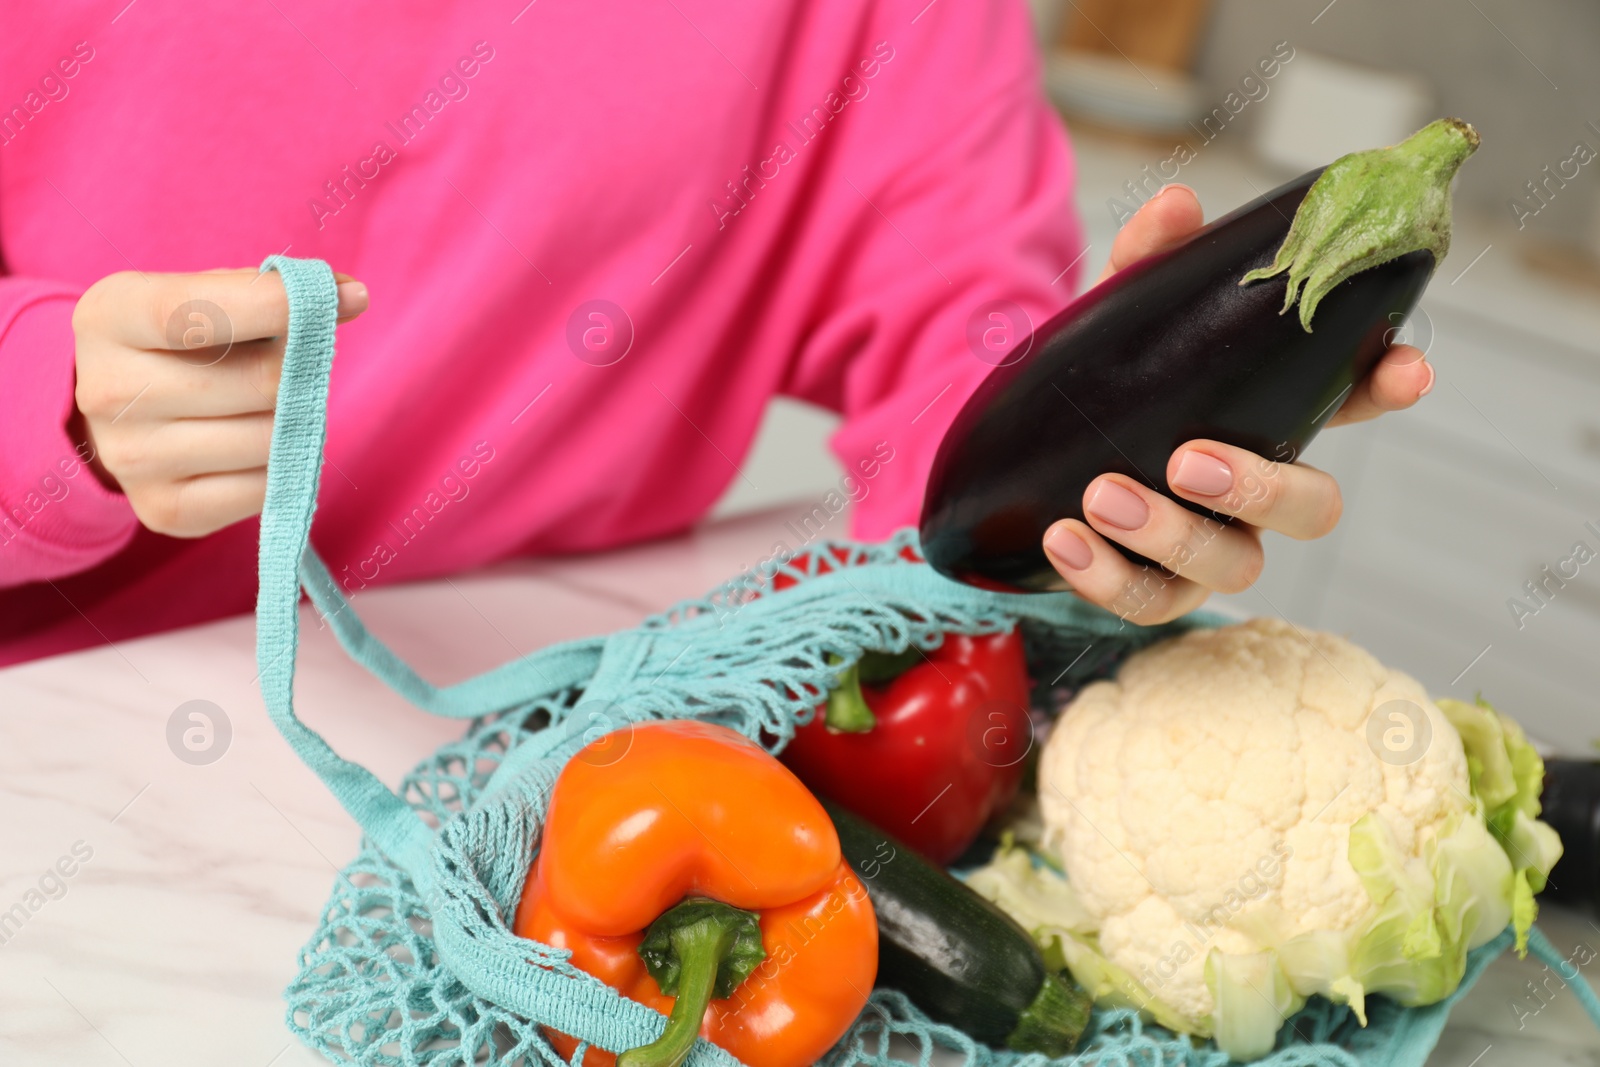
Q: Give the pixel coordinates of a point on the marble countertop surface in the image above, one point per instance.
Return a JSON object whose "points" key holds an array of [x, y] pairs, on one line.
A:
{"points": [[164, 898]]}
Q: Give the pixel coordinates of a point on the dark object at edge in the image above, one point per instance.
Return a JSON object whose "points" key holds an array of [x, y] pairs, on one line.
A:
{"points": [[1571, 800]]}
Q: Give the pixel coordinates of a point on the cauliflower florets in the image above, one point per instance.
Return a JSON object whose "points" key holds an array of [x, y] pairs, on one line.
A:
{"points": [[1204, 799]]}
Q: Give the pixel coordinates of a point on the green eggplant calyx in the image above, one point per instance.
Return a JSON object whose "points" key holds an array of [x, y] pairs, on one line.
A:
{"points": [[1370, 207], [847, 711], [1054, 1023], [698, 950]]}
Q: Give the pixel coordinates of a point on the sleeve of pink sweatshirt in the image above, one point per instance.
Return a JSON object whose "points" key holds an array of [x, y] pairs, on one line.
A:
{"points": [[55, 516], [974, 206]]}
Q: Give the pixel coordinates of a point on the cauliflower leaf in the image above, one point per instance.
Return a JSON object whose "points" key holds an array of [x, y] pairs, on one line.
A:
{"points": [[1507, 776], [1253, 998]]}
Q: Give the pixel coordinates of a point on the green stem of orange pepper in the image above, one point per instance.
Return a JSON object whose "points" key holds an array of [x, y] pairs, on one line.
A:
{"points": [[698, 950]]}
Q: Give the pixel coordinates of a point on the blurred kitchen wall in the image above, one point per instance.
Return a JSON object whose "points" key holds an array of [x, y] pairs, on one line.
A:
{"points": [[1526, 73]]}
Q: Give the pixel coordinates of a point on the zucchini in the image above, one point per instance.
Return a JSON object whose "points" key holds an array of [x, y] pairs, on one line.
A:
{"points": [[954, 954]]}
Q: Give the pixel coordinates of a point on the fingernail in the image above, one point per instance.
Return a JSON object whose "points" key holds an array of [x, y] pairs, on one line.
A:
{"points": [[1426, 389], [353, 298], [1068, 547], [1177, 185], [1203, 474], [1120, 507]]}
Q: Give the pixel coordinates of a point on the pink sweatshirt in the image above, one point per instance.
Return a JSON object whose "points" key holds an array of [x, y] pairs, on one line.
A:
{"points": [[598, 237]]}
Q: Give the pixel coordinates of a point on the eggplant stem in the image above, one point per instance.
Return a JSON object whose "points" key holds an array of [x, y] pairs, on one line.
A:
{"points": [[1367, 208]]}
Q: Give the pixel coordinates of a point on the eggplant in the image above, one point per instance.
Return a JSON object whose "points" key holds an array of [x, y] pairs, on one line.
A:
{"points": [[1193, 342]]}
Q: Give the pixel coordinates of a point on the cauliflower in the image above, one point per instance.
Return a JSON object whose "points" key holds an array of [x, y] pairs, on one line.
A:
{"points": [[1251, 815]]}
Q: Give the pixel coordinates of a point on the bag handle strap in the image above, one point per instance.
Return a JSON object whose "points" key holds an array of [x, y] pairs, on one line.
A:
{"points": [[545, 671], [287, 561], [293, 468]]}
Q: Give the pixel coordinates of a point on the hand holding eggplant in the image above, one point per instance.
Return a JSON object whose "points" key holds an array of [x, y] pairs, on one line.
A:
{"points": [[1261, 492], [1150, 429]]}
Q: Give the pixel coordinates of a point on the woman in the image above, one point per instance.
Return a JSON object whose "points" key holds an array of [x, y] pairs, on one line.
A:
{"points": [[596, 238]]}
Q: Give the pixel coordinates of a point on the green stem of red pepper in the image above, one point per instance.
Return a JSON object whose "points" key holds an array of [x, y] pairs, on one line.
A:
{"points": [[847, 705], [847, 710], [699, 950]]}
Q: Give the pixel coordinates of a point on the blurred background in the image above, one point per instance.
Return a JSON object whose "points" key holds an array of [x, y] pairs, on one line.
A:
{"points": [[1469, 552]]}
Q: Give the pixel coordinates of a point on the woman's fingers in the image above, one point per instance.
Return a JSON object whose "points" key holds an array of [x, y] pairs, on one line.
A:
{"points": [[1402, 377], [177, 449], [195, 507], [181, 312], [209, 383], [1169, 216], [1160, 529], [1097, 572], [353, 296], [1290, 498], [176, 380], [1216, 555], [141, 386], [184, 312], [1193, 554]]}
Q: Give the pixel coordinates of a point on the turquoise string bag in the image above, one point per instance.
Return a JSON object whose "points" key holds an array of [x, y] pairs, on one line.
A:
{"points": [[414, 963]]}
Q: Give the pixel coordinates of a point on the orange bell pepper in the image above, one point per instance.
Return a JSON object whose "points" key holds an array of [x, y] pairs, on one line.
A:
{"points": [[691, 871]]}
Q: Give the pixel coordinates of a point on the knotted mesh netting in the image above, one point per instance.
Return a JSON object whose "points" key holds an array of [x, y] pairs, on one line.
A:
{"points": [[405, 974]]}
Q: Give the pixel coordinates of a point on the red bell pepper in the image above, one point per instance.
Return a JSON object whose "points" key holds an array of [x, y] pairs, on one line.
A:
{"points": [[927, 746]]}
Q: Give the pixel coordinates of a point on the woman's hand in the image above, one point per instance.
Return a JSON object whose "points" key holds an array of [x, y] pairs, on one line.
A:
{"points": [[177, 382], [1199, 556]]}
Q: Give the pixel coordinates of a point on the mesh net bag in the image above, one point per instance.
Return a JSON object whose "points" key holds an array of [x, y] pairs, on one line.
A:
{"points": [[413, 962]]}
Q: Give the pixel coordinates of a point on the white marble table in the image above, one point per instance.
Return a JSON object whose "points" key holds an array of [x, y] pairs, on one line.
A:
{"points": [[172, 941]]}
